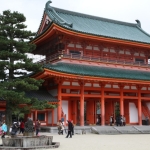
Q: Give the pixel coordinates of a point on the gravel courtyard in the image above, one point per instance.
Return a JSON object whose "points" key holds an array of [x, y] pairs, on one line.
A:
{"points": [[102, 142]]}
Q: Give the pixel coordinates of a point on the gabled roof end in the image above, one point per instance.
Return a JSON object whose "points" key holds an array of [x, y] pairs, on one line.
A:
{"points": [[55, 16]]}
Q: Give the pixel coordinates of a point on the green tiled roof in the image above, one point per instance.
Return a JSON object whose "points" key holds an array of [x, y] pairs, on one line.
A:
{"points": [[41, 95], [2, 99], [98, 71], [97, 26]]}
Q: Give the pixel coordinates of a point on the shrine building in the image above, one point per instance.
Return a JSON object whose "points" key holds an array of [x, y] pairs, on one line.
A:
{"points": [[93, 67]]}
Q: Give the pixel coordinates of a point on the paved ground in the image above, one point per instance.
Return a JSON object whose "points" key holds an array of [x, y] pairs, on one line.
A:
{"points": [[102, 142]]}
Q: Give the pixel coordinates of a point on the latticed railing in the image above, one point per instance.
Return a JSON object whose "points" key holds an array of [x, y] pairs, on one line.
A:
{"points": [[59, 56]]}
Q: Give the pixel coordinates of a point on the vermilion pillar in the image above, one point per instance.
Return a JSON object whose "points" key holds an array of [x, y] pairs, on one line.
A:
{"points": [[121, 101], [36, 115], [102, 106], [139, 106], [70, 110], [59, 103], [82, 105], [75, 112]]}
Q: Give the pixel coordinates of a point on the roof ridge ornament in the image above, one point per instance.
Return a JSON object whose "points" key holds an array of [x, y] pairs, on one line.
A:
{"points": [[55, 15], [138, 23]]}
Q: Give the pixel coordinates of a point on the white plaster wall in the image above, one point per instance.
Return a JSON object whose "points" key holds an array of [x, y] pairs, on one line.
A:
{"points": [[133, 87], [133, 113], [49, 117], [107, 86], [65, 108], [75, 83], [115, 86], [144, 88], [126, 87], [53, 92], [70, 45], [96, 85], [66, 83], [88, 84], [55, 116]]}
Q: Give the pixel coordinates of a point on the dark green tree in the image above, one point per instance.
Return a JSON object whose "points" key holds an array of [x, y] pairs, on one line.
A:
{"points": [[15, 64]]}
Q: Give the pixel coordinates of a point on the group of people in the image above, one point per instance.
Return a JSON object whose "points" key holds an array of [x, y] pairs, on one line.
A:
{"points": [[61, 128], [120, 120], [17, 127]]}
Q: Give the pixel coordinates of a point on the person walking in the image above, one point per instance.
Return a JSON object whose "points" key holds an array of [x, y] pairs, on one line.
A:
{"points": [[59, 126], [37, 127], [14, 128], [72, 127], [110, 120], [21, 127], [62, 127], [4, 130], [121, 120], [124, 120], [69, 129]]}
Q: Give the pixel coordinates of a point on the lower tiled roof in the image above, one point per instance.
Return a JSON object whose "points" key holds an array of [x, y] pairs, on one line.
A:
{"points": [[98, 71], [41, 95], [2, 99]]}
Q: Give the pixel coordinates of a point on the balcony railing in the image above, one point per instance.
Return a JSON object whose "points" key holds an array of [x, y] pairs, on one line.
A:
{"points": [[59, 56]]}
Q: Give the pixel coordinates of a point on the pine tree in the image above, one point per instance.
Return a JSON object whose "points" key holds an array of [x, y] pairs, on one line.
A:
{"points": [[15, 64]]}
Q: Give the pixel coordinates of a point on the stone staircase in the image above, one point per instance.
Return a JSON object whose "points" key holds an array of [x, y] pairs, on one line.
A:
{"points": [[103, 129], [121, 129]]}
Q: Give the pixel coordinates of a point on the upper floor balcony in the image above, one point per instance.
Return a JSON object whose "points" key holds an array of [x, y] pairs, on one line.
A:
{"points": [[105, 60]]}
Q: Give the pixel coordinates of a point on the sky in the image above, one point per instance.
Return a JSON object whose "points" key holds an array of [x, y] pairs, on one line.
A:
{"points": [[121, 10]]}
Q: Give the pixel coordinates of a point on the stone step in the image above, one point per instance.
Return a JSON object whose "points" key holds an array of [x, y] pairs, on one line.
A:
{"points": [[103, 129]]}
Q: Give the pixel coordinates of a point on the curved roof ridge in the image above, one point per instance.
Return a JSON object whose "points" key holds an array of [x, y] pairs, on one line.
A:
{"points": [[143, 31], [93, 17]]}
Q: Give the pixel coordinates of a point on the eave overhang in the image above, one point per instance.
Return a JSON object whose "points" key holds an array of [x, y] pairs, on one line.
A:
{"points": [[53, 28], [51, 73]]}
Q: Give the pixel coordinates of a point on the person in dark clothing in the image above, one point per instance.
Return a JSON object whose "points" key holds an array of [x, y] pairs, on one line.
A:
{"points": [[14, 128], [37, 126], [117, 120], [72, 127], [69, 129]]}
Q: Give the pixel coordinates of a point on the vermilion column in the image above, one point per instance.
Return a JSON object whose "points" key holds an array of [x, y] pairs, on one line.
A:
{"points": [[121, 101], [59, 103], [75, 112], [46, 118], [139, 106], [82, 106], [36, 115], [102, 106]]}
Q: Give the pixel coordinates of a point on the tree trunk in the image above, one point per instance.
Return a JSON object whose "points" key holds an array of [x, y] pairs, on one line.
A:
{"points": [[8, 115]]}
